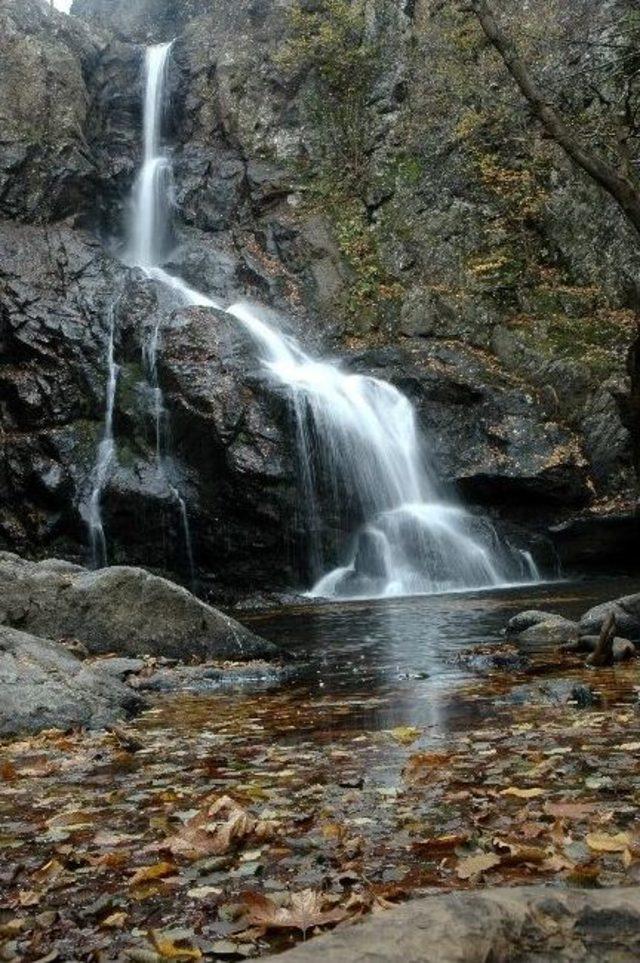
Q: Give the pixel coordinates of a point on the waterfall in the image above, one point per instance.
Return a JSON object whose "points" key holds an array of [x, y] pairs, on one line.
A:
{"points": [[358, 438], [151, 201], [105, 454]]}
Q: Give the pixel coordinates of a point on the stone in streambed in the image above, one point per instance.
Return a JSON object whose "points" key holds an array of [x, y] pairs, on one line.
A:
{"points": [[553, 692], [623, 649], [43, 686], [526, 620], [627, 614], [121, 610], [556, 632], [203, 678]]}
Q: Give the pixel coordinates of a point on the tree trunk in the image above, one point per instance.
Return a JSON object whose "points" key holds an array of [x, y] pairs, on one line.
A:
{"points": [[620, 187]]}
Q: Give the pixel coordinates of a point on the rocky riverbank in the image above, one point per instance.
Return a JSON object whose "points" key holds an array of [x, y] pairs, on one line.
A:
{"points": [[150, 634], [238, 824]]}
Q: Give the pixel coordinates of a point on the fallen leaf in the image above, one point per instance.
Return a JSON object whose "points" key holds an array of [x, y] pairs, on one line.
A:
{"points": [[219, 827], [532, 793], [155, 871], [568, 810], [116, 921], [304, 912], [514, 853], [604, 843], [405, 735], [473, 865], [439, 844], [169, 950], [74, 819]]}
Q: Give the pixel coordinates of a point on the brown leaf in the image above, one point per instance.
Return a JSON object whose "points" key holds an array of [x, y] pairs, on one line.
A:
{"points": [[304, 913], [473, 865], [169, 950], [421, 765], [72, 819], [155, 871], [221, 826], [514, 853], [569, 810], [519, 793], [437, 845]]}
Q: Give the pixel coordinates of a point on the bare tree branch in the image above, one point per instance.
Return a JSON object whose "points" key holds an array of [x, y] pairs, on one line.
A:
{"points": [[615, 182]]}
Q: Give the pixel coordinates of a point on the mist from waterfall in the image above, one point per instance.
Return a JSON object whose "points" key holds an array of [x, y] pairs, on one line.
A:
{"points": [[358, 439]]}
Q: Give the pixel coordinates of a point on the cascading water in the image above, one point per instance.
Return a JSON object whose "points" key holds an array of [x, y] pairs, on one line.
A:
{"points": [[106, 451], [366, 448]]}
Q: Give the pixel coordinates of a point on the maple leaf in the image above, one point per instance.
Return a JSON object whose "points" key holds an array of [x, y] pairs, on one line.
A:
{"points": [[215, 830], [304, 913]]}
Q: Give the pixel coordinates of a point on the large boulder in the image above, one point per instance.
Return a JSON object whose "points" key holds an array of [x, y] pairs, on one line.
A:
{"points": [[43, 686], [527, 923], [626, 611], [122, 610]]}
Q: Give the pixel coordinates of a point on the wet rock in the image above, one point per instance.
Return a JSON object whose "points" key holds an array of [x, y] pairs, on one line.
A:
{"points": [[525, 620], [598, 542], [627, 614], [204, 678], [123, 610], [527, 923], [46, 172], [622, 651], [506, 658], [118, 668], [554, 692], [555, 632], [43, 686]]}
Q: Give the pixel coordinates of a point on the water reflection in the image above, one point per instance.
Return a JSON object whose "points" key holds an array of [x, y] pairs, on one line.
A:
{"points": [[398, 661]]}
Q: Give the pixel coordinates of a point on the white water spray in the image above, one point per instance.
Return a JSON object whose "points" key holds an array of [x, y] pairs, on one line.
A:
{"points": [[359, 443]]}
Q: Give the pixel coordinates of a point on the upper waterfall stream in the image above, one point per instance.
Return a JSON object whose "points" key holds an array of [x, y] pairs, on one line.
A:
{"points": [[358, 433]]}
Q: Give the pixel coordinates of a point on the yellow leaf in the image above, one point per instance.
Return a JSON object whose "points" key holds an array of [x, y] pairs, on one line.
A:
{"points": [[603, 843], [473, 865], [170, 950], [532, 793], [116, 921], [405, 735], [156, 871]]}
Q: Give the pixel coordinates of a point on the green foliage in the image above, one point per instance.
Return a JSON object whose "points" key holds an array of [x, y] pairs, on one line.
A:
{"points": [[340, 58]]}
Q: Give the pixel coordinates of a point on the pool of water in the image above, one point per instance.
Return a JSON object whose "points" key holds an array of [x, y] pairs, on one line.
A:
{"points": [[405, 661]]}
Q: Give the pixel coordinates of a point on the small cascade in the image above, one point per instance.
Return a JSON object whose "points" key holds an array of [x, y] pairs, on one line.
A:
{"points": [[152, 193], [105, 453], [150, 233], [357, 435]]}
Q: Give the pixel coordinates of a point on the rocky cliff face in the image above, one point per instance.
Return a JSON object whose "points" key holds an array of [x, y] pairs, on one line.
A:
{"points": [[366, 172]]}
